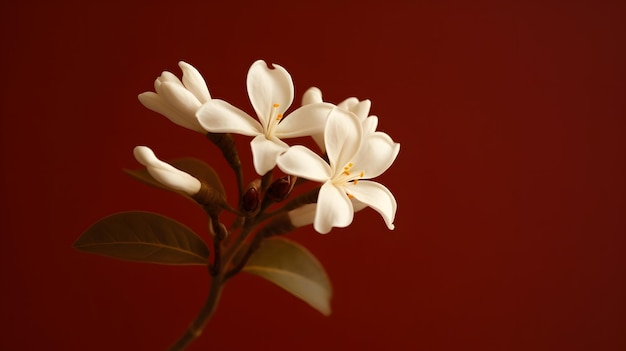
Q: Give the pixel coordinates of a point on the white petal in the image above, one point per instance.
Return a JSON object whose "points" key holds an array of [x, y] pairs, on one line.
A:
{"points": [[312, 96], [342, 138], [180, 99], [348, 104], [357, 205], [218, 116], [369, 125], [376, 196], [157, 104], [360, 108], [165, 173], [376, 155], [303, 215], [167, 77], [306, 120], [334, 209], [193, 81], [265, 152], [304, 163], [267, 87]]}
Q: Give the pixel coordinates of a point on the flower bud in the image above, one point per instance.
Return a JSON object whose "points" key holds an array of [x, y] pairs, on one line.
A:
{"points": [[178, 100], [281, 188], [251, 198], [165, 173]]}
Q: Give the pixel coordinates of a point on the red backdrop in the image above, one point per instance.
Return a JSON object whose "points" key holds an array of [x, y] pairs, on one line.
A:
{"points": [[510, 232]]}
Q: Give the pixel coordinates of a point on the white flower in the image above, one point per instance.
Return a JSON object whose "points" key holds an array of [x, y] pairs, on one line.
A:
{"points": [[354, 160], [176, 100], [165, 173], [360, 108], [271, 93]]}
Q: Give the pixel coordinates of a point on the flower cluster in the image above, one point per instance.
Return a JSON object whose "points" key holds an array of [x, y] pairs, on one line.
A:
{"points": [[350, 153], [351, 150]]}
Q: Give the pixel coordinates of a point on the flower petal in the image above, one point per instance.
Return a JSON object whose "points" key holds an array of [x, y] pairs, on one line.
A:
{"points": [[166, 77], [304, 163], [303, 215], [342, 138], [267, 87], [265, 152], [378, 197], [334, 209], [193, 81], [306, 120], [369, 125], [348, 104], [218, 116], [360, 108], [165, 173], [376, 155], [157, 104], [180, 99], [312, 95]]}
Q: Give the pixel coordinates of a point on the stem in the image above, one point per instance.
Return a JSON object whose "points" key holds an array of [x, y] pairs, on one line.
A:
{"points": [[197, 326], [226, 143]]}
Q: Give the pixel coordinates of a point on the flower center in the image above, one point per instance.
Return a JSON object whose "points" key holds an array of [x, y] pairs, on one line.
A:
{"points": [[272, 121], [347, 176]]}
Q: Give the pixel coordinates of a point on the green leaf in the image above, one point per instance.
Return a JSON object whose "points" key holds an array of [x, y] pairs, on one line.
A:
{"points": [[293, 268], [145, 237], [193, 166]]}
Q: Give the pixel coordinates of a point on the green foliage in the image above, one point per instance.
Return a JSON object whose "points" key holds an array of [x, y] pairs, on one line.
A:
{"points": [[292, 267], [145, 237]]}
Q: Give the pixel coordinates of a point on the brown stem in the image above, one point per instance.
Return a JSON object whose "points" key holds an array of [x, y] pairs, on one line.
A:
{"points": [[197, 326]]}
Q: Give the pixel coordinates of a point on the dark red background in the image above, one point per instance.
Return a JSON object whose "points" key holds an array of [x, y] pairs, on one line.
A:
{"points": [[510, 231]]}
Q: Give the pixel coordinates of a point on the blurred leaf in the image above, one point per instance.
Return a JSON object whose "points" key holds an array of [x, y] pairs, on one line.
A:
{"points": [[292, 267], [145, 237], [193, 166]]}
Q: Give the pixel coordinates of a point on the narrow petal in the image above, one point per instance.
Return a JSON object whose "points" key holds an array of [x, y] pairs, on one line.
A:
{"points": [[342, 137], [165, 173], [334, 209], [304, 163], [265, 152], [303, 215], [180, 99], [267, 88], [218, 116], [193, 81], [312, 95], [376, 155], [305, 121], [378, 197], [157, 104]]}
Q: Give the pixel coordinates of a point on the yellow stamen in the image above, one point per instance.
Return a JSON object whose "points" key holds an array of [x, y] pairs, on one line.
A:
{"points": [[276, 105], [356, 181], [350, 196], [362, 174], [279, 116], [346, 172]]}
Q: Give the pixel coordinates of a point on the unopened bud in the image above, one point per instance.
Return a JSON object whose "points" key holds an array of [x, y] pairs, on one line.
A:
{"points": [[251, 198], [281, 188]]}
